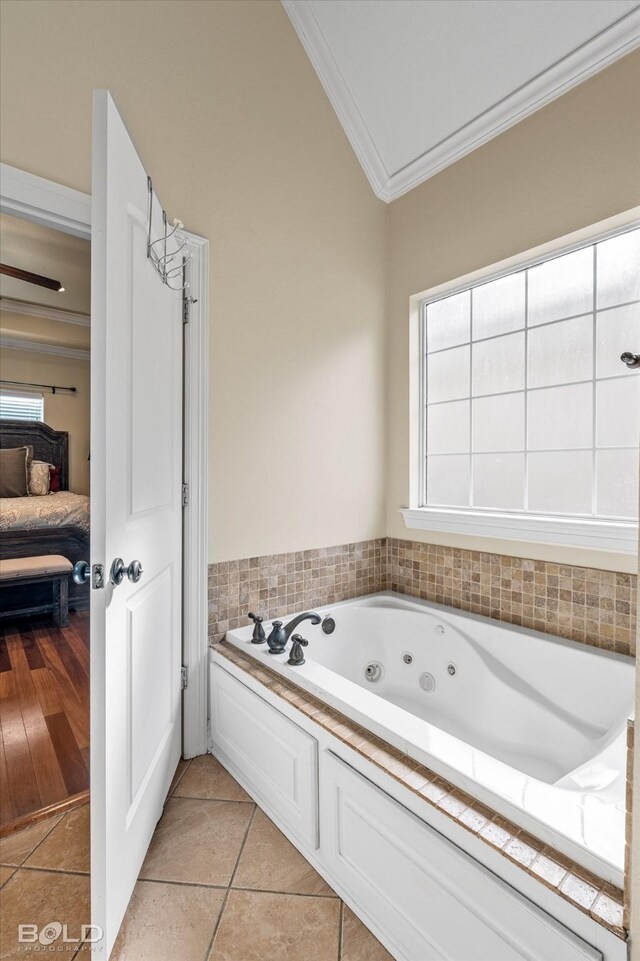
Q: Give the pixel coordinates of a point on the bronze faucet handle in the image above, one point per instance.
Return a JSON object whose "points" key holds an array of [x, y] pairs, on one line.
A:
{"points": [[296, 655], [259, 636]]}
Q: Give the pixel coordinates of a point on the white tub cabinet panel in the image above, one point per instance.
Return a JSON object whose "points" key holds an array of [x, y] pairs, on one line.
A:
{"points": [[435, 901], [278, 759]]}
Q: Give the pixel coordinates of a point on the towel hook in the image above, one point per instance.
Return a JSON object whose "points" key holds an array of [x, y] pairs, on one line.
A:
{"points": [[161, 261]]}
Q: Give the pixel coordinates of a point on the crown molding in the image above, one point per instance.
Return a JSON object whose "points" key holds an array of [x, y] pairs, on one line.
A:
{"points": [[14, 343], [44, 202], [48, 313], [612, 43], [301, 15]]}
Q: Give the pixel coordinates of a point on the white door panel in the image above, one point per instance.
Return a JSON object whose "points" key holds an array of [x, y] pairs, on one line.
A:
{"points": [[136, 465], [150, 677]]}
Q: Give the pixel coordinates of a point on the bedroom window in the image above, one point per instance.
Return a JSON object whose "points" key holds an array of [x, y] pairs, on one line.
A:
{"points": [[530, 422], [16, 405]]}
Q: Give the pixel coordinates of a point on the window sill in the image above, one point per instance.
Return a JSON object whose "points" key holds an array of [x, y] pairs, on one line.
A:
{"points": [[601, 535]]}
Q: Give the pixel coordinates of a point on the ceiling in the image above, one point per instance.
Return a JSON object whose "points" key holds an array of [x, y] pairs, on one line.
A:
{"points": [[417, 84], [30, 314], [52, 253]]}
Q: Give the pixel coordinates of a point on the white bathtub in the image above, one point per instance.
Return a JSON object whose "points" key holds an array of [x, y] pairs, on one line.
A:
{"points": [[532, 725]]}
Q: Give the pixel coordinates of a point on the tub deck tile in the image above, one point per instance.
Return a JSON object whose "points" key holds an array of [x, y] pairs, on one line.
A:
{"points": [[579, 890], [607, 910], [434, 790], [521, 851], [548, 870], [474, 820], [453, 804], [496, 834]]}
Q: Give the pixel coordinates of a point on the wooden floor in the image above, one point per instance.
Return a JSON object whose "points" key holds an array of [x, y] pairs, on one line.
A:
{"points": [[44, 713]]}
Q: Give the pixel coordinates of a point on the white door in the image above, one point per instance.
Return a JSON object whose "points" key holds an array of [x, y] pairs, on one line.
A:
{"points": [[136, 475]]}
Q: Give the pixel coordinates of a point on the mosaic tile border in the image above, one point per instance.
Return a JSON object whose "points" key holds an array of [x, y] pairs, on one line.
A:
{"points": [[583, 604], [600, 900], [280, 584]]}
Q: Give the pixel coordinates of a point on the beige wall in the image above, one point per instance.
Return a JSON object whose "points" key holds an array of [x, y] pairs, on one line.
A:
{"points": [[573, 163], [229, 116]]}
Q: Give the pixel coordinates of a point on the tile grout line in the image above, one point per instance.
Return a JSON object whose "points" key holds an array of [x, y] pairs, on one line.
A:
{"points": [[227, 800], [183, 884], [13, 871], [340, 930], [242, 846], [208, 953], [80, 947], [41, 841], [34, 867], [186, 768], [223, 887], [289, 894]]}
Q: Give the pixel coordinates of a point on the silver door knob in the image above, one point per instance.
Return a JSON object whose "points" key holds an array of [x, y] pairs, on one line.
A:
{"points": [[81, 572], [119, 570], [631, 360]]}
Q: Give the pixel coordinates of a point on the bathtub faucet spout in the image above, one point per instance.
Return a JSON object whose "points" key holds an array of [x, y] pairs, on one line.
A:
{"points": [[307, 616]]}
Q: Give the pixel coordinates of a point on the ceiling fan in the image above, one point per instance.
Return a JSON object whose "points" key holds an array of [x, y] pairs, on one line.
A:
{"points": [[31, 278]]}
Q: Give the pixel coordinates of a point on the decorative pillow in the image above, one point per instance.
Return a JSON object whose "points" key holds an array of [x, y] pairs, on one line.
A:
{"points": [[39, 478], [13, 472], [54, 479]]}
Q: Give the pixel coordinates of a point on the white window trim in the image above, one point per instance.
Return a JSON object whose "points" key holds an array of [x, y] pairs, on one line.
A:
{"points": [[602, 535], [620, 537]]}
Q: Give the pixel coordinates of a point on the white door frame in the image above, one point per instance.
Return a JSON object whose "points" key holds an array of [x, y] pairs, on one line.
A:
{"points": [[52, 205]]}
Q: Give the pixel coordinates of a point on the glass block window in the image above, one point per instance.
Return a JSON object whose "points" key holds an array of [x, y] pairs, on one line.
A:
{"points": [[18, 405], [528, 408]]}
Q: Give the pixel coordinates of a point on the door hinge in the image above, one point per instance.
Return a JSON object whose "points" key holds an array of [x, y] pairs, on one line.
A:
{"points": [[185, 495], [184, 677], [186, 308]]}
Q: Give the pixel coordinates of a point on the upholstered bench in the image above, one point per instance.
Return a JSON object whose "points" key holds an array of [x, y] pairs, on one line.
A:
{"points": [[16, 571]]}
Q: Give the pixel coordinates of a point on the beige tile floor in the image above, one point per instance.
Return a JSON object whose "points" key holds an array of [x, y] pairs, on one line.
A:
{"points": [[220, 883]]}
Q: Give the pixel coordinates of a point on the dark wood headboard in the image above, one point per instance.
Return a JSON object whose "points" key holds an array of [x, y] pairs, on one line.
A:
{"points": [[49, 445]]}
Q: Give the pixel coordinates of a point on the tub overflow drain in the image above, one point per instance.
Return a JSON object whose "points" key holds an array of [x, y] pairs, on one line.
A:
{"points": [[373, 671], [427, 683]]}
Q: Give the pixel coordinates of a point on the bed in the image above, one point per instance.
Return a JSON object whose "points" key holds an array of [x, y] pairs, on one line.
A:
{"points": [[52, 524]]}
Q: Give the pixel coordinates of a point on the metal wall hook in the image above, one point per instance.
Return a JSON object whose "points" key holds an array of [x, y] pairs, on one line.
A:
{"points": [[177, 225], [179, 267], [167, 258], [157, 251]]}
